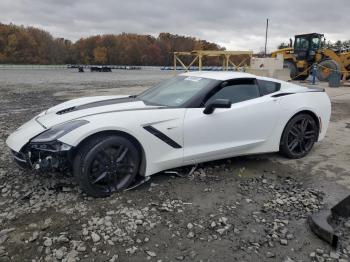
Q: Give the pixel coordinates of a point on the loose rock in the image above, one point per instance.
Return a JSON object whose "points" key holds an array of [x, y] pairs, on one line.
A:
{"points": [[95, 237], [48, 242], [150, 253]]}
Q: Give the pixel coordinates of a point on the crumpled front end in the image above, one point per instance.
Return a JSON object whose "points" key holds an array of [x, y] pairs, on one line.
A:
{"points": [[38, 143], [46, 156]]}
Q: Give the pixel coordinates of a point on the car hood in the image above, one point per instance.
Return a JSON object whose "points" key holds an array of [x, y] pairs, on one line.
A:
{"points": [[87, 106]]}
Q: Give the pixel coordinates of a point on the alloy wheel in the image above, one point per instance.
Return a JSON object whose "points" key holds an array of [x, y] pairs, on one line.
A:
{"points": [[111, 168], [301, 136]]}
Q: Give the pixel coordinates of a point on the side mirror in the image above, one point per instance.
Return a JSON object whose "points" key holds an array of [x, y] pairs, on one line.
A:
{"points": [[218, 103]]}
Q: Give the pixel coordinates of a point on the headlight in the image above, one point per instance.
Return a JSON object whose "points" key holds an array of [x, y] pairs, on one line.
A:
{"points": [[58, 131]]}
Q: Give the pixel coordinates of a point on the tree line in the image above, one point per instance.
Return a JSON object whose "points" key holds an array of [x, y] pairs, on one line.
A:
{"points": [[29, 45]]}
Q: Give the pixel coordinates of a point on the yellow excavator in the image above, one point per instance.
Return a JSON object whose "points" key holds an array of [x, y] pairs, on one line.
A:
{"points": [[310, 49]]}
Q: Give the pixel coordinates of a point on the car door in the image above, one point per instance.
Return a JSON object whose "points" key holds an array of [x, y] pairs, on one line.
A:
{"points": [[244, 127]]}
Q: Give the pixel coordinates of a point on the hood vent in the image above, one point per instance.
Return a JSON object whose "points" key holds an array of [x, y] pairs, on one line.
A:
{"points": [[66, 110]]}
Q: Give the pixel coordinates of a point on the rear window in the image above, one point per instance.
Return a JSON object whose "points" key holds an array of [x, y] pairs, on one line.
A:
{"points": [[268, 87]]}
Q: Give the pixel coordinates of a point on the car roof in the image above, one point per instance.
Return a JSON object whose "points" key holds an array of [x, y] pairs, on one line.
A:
{"points": [[228, 75], [219, 75]]}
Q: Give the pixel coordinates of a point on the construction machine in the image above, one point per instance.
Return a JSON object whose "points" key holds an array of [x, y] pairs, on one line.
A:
{"points": [[311, 49]]}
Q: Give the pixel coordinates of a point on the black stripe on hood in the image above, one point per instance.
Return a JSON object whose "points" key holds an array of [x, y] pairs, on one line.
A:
{"points": [[98, 104]]}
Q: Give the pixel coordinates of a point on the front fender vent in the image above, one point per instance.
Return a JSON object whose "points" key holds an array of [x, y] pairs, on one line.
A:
{"points": [[162, 136], [66, 110]]}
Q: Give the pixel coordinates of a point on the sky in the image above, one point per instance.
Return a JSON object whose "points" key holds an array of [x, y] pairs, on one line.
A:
{"points": [[235, 25]]}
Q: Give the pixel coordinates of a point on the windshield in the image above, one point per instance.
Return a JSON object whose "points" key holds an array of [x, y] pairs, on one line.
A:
{"points": [[315, 43], [176, 91]]}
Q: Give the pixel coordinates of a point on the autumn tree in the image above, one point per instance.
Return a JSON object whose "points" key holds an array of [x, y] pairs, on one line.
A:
{"points": [[29, 45], [100, 55]]}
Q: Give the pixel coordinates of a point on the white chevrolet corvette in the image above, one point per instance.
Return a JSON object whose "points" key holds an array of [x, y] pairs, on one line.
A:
{"points": [[109, 141]]}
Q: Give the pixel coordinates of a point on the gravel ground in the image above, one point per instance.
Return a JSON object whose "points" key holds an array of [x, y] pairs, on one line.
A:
{"points": [[239, 209]]}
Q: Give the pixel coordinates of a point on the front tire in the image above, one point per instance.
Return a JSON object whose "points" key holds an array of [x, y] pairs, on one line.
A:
{"points": [[299, 136], [107, 164], [294, 73]]}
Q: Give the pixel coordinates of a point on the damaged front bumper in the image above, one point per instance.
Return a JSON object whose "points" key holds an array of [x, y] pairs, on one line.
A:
{"points": [[38, 147], [49, 157]]}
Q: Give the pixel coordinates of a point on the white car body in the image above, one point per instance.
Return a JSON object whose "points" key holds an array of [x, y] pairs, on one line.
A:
{"points": [[248, 127]]}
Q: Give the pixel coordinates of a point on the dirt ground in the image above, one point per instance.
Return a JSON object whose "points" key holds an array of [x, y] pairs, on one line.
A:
{"points": [[240, 209]]}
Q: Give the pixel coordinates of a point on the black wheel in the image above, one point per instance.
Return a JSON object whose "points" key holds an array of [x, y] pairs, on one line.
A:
{"points": [[294, 73], [105, 165], [299, 136]]}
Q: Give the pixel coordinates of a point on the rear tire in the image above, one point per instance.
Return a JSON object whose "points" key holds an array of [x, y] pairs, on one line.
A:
{"points": [[325, 68], [107, 164], [299, 136]]}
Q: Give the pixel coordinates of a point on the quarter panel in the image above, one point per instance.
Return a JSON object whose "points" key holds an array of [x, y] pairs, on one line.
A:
{"points": [[316, 102]]}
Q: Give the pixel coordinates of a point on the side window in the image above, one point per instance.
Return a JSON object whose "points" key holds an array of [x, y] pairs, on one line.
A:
{"points": [[268, 87], [236, 91], [301, 43]]}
